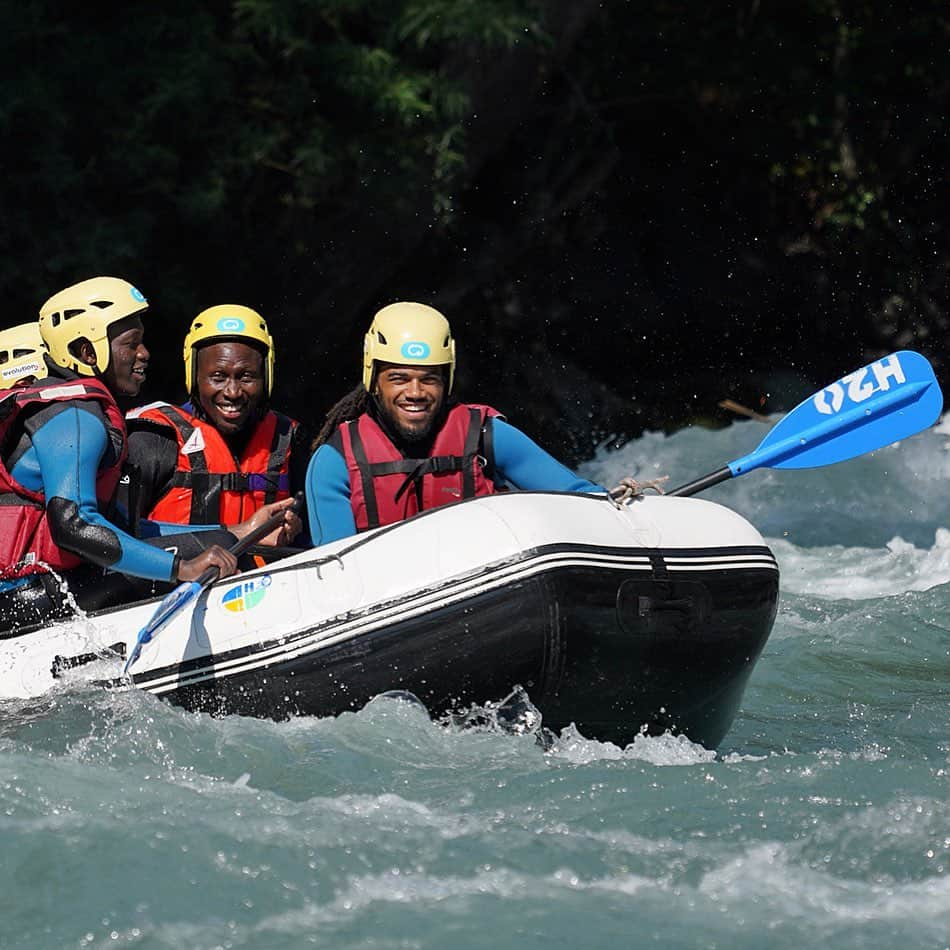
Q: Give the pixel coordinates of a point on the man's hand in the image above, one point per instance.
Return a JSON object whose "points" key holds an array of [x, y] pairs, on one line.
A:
{"points": [[283, 534], [215, 556]]}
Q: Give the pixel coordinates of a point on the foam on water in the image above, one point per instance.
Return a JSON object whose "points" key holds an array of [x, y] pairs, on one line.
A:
{"points": [[897, 491], [572, 747], [856, 573]]}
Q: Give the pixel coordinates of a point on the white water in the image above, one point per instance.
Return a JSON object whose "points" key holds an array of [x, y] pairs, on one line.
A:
{"points": [[824, 820]]}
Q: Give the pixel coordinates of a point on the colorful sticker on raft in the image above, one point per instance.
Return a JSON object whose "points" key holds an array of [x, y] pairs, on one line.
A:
{"points": [[415, 350], [247, 595], [230, 325]]}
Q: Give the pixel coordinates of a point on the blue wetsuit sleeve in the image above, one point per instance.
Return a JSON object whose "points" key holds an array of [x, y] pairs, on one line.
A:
{"points": [[158, 529], [68, 450], [527, 466], [328, 497]]}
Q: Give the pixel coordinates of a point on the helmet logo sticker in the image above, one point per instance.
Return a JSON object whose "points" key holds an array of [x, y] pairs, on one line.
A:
{"points": [[415, 350], [138, 295], [22, 369], [230, 325], [246, 595]]}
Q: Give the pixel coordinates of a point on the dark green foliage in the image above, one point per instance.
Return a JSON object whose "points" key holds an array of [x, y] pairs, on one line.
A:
{"points": [[628, 210]]}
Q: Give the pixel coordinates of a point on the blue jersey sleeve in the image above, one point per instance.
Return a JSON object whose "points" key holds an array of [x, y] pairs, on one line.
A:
{"points": [[328, 497], [66, 452], [525, 465]]}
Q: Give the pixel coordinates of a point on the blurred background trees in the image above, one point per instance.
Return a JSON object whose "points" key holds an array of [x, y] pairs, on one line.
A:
{"points": [[628, 211]]}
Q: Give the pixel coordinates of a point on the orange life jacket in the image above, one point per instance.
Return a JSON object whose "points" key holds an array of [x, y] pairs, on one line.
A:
{"points": [[386, 486], [211, 487], [26, 546]]}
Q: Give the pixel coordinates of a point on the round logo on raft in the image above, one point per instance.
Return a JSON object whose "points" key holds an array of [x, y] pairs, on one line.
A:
{"points": [[138, 295], [247, 595], [415, 350], [230, 325]]}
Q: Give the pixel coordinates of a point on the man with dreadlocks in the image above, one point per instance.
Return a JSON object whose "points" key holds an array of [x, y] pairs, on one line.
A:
{"points": [[396, 446], [225, 454]]}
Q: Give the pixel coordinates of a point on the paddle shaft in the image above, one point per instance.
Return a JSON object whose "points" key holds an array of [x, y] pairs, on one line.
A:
{"points": [[251, 538], [701, 484]]}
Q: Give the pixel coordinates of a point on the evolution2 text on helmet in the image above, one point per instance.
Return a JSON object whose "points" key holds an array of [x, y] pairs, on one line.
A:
{"points": [[21, 354]]}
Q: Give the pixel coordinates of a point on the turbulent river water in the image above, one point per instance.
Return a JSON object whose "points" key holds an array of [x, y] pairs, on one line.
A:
{"points": [[822, 820]]}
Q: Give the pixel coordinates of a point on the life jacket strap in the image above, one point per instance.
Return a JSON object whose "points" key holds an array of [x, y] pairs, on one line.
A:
{"points": [[10, 498], [234, 481], [279, 453], [432, 466], [366, 477]]}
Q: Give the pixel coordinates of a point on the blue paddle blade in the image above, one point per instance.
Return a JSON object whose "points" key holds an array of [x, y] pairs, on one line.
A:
{"points": [[883, 402], [167, 609]]}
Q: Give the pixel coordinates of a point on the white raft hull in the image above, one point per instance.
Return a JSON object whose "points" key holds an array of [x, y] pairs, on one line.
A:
{"points": [[645, 618]]}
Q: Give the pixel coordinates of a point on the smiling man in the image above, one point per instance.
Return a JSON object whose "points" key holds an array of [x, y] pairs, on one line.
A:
{"points": [[225, 453], [396, 445], [62, 448]]}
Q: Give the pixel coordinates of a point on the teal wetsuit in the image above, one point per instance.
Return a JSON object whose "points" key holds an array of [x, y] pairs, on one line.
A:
{"points": [[62, 461]]}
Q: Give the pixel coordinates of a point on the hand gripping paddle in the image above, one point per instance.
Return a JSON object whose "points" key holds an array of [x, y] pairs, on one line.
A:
{"points": [[187, 591]]}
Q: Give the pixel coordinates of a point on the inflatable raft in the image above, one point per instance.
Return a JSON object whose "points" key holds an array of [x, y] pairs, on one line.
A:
{"points": [[640, 619]]}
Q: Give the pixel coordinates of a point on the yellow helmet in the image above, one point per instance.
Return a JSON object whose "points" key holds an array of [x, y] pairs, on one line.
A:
{"points": [[21, 354], [87, 310], [229, 321], [408, 334]]}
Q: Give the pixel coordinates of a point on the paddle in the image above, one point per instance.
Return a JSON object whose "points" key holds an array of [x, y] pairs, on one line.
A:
{"points": [[881, 403], [187, 591]]}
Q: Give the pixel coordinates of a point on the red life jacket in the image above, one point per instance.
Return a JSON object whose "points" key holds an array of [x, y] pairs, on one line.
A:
{"points": [[386, 487], [26, 546], [209, 486]]}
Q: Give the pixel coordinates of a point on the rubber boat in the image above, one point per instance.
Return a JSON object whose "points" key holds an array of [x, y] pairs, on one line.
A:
{"points": [[629, 620]]}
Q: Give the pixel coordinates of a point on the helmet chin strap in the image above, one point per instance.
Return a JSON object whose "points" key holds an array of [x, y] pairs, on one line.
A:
{"points": [[196, 408], [80, 359], [99, 372]]}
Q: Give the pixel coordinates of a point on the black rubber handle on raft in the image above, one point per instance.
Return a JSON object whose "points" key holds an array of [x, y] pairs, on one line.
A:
{"points": [[701, 484]]}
